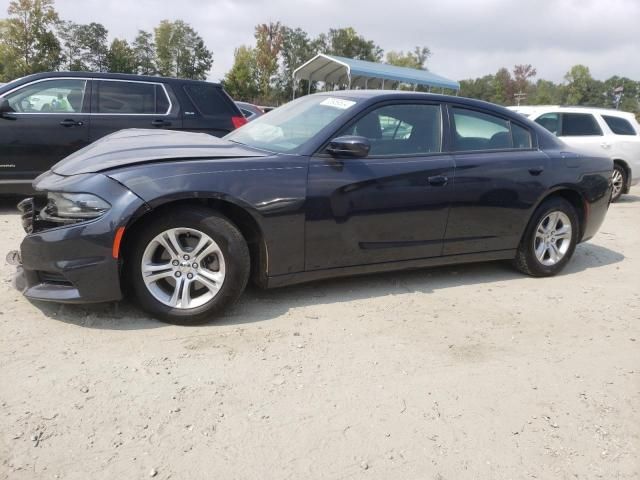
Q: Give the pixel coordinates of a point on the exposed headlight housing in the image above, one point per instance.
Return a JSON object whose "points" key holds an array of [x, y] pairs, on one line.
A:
{"points": [[73, 207]]}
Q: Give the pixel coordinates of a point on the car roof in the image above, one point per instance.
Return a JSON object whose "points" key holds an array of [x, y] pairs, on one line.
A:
{"points": [[381, 95], [537, 109], [113, 76]]}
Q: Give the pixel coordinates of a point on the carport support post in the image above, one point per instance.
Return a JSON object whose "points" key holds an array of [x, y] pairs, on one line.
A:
{"points": [[309, 88]]}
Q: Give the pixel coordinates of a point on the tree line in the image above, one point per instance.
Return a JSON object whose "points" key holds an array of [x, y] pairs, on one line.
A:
{"points": [[34, 39]]}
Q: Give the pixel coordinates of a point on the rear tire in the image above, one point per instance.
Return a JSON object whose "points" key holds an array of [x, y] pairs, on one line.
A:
{"points": [[618, 181], [549, 239], [187, 265]]}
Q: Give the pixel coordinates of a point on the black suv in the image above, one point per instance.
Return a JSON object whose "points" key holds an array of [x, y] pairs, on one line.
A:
{"points": [[47, 116]]}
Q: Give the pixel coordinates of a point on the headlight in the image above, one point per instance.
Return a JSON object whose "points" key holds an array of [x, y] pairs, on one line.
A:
{"points": [[73, 207]]}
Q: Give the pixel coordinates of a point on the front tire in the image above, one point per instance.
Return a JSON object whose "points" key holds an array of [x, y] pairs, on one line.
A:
{"points": [[187, 265], [618, 182], [549, 240]]}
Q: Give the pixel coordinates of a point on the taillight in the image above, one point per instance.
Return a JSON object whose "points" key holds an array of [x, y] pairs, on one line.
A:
{"points": [[238, 121]]}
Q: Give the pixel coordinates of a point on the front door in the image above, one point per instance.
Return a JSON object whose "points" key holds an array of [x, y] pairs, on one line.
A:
{"points": [[391, 205], [49, 122], [120, 104]]}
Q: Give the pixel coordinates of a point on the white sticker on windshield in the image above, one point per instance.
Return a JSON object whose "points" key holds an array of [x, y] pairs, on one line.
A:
{"points": [[340, 103]]}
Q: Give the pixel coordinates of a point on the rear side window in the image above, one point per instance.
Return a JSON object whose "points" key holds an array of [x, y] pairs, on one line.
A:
{"points": [[131, 98], [579, 125], [481, 131], [208, 99], [619, 126]]}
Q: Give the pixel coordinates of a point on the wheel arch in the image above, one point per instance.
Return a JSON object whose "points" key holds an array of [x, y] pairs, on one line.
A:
{"points": [[625, 165], [574, 197], [236, 212]]}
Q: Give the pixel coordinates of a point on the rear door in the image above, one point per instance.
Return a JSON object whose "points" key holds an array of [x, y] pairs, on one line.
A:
{"points": [[500, 175], [49, 123], [210, 110], [577, 129], [120, 104]]}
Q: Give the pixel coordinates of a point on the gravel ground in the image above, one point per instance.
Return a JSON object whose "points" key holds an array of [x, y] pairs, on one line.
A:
{"points": [[451, 373]]}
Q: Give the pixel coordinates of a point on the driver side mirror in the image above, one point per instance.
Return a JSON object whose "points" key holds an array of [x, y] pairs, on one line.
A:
{"points": [[6, 109], [349, 146]]}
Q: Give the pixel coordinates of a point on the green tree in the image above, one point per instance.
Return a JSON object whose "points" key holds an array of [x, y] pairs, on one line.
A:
{"points": [[503, 87], [582, 89], [545, 92], [28, 42], [85, 46], [241, 82], [120, 57], [144, 51], [481, 88], [296, 50], [416, 59], [346, 42], [269, 40], [180, 51]]}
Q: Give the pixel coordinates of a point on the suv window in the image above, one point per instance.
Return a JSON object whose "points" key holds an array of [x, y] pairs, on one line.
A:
{"points": [[579, 125], [550, 121], [135, 98], [49, 96], [208, 99], [481, 131], [619, 126], [400, 129]]}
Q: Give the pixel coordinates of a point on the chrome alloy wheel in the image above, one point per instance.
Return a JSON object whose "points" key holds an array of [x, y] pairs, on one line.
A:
{"points": [[617, 181], [183, 268], [553, 238]]}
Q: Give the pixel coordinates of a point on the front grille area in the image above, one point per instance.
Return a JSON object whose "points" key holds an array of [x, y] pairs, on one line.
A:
{"points": [[53, 278]]}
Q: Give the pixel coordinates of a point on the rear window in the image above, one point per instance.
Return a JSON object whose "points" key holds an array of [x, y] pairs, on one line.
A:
{"points": [[579, 125], [619, 126], [131, 98], [208, 99]]}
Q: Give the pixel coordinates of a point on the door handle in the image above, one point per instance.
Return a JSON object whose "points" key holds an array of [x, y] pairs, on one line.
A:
{"points": [[68, 122], [438, 180], [535, 171], [605, 145], [160, 123]]}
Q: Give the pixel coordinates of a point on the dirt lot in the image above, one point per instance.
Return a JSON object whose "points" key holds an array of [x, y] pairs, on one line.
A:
{"points": [[452, 373]]}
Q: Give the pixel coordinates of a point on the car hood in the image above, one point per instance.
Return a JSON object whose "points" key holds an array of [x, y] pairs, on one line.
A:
{"points": [[134, 146]]}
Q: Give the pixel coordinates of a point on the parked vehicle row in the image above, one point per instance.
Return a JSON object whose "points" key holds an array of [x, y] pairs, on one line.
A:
{"points": [[45, 117], [328, 185], [598, 130]]}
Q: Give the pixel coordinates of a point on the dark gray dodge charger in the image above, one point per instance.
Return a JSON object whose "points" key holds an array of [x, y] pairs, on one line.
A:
{"points": [[332, 184]]}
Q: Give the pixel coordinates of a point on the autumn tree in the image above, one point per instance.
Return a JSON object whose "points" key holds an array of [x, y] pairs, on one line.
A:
{"points": [[268, 46]]}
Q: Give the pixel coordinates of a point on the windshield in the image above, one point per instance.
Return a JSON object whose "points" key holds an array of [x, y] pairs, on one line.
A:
{"points": [[286, 128]]}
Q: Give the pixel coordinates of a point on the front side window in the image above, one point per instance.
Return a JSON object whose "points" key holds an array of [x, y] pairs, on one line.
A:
{"points": [[579, 125], [49, 96], [619, 125], [481, 131], [130, 98], [400, 130]]}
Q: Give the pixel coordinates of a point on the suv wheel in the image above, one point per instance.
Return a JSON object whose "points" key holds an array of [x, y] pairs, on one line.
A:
{"points": [[188, 264], [549, 240], [618, 181]]}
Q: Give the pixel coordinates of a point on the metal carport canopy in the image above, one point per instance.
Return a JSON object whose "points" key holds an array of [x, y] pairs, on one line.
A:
{"points": [[360, 73]]}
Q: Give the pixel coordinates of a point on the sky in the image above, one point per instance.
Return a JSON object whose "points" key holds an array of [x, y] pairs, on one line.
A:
{"points": [[468, 38]]}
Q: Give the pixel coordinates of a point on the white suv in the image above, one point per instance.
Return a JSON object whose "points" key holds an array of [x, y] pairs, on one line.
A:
{"points": [[599, 130]]}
